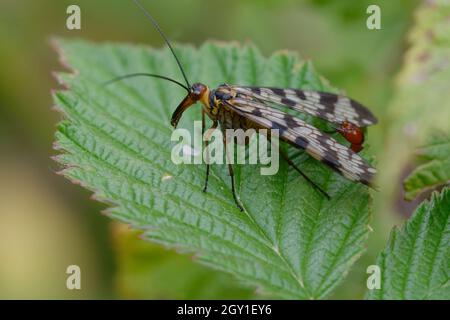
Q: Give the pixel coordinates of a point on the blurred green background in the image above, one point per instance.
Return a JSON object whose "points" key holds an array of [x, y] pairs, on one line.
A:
{"points": [[46, 223]]}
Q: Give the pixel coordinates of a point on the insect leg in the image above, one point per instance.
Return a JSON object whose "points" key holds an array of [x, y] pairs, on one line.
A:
{"points": [[291, 163], [206, 145], [231, 172], [207, 137]]}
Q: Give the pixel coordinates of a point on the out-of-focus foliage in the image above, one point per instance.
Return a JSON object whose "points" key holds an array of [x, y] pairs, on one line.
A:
{"points": [[415, 263], [152, 272], [433, 173], [421, 104]]}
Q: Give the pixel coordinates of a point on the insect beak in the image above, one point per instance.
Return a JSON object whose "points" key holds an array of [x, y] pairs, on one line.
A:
{"points": [[186, 103]]}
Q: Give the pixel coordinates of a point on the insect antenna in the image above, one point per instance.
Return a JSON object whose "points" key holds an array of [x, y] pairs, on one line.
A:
{"points": [[155, 24], [142, 74]]}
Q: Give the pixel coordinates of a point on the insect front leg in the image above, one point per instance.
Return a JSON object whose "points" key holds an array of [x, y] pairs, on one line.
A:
{"points": [[207, 137]]}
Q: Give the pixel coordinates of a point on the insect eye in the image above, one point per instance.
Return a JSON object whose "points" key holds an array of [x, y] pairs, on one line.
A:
{"points": [[195, 93], [197, 90]]}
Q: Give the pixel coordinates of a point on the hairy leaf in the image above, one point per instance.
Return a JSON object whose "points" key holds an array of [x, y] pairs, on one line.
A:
{"points": [[415, 263], [433, 173], [290, 241]]}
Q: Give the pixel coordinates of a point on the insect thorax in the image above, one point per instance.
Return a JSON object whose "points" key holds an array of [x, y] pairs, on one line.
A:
{"points": [[216, 108], [219, 110]]}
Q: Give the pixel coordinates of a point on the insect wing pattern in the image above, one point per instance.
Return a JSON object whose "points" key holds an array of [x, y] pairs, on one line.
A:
{"points": [[303, 135], [328, 106]]}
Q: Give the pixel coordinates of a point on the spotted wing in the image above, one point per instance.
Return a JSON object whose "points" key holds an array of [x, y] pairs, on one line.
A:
{"points": [[299, 133], [328, 106]]}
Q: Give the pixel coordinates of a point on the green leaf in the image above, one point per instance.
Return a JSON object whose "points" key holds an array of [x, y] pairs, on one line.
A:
{"points": [[415, 263], [290, 241], [433, 173]]}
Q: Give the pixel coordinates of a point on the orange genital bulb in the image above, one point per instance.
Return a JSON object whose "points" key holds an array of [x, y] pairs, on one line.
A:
{"points": [[352, 134]]}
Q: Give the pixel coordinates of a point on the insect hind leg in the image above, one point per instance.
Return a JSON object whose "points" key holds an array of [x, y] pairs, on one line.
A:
{"points": [[231, 173], [233, 188], [291, 163]]}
